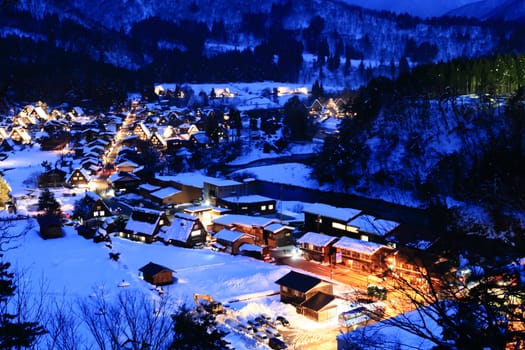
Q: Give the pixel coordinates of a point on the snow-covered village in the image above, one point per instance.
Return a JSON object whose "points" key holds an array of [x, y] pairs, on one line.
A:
{"points": [[93, 229], [332, 175]]}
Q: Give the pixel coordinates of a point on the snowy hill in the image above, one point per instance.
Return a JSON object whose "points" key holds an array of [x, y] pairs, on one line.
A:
{"points": [[509, 10]]}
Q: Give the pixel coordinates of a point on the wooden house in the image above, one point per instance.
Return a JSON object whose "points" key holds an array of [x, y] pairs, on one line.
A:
{"points": [[218, 188], [144, 224], [50, 226], [320, 217], [310, 295], [190, 186], [200, 139], [167, 196], [362, 256], [278, 235], [156, 274], [230, 241], [78, 178], [317, 246], [126, 166], [96, 207], [124, 182], [20, 135], [206, 213], [158, 141], [247, 204], [185, 230], [249, 225], [52, 178], [142, 131], [370, 228]]}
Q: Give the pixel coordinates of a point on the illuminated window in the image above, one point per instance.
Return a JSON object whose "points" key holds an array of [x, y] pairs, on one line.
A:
{"points": [[364, 238], [338, 226], [263, 207], [270, 207]]}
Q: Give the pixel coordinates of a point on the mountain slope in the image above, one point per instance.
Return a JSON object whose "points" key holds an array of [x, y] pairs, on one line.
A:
{"points": [[508, 10]]}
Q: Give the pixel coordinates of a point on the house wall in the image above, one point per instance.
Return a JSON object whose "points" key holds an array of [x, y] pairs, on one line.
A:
{"points": [[291, 296], [322, 224], [264, 207], [161, 278], [322, 315]]}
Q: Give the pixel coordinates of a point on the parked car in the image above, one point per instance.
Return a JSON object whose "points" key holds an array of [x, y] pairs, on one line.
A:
{"points": [[261, 337], [281, 320], [272, 332], [256, 325], [276, 343]]}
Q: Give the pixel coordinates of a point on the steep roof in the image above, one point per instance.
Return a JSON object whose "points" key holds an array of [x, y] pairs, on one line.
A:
{"points": [[317, 239], [180, 228], [228, 235], [318, 301], [358, 245], [341, 214], [151, 269], [298, 281], [373, 225]]}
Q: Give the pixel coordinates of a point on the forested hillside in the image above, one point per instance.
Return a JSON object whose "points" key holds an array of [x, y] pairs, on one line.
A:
{"points": [[443, 133], [298, 41]]}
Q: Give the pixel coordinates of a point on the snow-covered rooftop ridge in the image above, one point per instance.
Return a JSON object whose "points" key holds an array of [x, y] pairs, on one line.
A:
{"points": [[228, 235], [165, 192], [358, 245], [188, 179], [342, 214], [317, 239], [249, 198], [230, 219], [222, 182], [371, 224]]}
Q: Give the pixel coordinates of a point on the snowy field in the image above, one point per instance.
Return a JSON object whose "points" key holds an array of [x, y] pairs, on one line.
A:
{"points": [[73, 269]]}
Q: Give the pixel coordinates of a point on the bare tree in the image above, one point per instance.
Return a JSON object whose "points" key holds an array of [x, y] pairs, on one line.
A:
{"points": [[134, 320], [484, 312]]}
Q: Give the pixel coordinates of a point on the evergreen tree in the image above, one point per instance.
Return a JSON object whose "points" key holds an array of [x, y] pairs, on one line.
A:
{"points": [[48, 203], [196, 332], [15, 332], [4, 191], [295, 118]]}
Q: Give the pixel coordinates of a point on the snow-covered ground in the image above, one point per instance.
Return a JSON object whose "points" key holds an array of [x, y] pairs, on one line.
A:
{"points": [[74, 269]]}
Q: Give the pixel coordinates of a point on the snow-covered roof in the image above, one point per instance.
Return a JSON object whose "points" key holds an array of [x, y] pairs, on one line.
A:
{"points": [[143, 220], [251, 198], [230, 219], [148, 187], [188, 179], [93, 196], [247, 247], [165, 192], [82, 171], [126, 163], [180, 229], [317, 239], [341, 214], [222, 182], [358, 245], [371, 224], [277, 227], [228, 235]]}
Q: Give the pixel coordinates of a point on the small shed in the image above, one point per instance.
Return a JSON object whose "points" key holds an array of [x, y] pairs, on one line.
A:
{"points": [[50, 226], [156, 274]]}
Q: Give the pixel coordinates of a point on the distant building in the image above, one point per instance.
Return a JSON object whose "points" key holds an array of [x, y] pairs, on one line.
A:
{"points": [[156, 274]]}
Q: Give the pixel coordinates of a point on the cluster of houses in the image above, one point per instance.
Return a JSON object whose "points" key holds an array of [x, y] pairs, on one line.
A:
{"points": [[192, 210]]}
